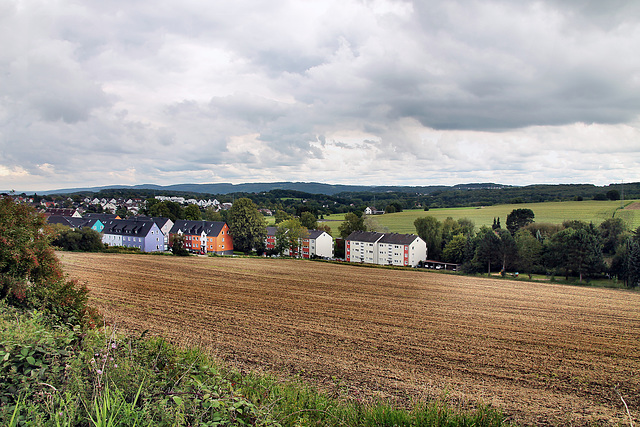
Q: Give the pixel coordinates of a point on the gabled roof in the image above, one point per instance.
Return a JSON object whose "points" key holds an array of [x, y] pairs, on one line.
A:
{"points": [[365, 236], [398, 239], [128, 227], [160, 221], [70, 221], [272, 231], [101, 216], [60, 211], [210, 228], [314, 234]]}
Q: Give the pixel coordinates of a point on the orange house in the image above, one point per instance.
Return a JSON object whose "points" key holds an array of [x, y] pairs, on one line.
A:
{"points": [[204, 237]]}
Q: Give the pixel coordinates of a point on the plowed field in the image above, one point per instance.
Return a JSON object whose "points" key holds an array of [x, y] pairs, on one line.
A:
{"points": [[544, 353]]}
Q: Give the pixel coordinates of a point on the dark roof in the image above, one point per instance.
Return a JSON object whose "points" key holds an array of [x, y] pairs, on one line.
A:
{"points": [[101, 216], [59, 219], [398, 239], [160, 221], [128, 227], [71, 221], [365, 236], [271, 231], [60, 211], [210, 228], [314, 234]]}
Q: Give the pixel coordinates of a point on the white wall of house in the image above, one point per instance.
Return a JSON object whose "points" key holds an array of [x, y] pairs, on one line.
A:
{"points": [[417, 252], [322, 246]]}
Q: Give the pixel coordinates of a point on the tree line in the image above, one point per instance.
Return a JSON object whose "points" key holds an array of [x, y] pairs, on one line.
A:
{"points": [[573, 248]]}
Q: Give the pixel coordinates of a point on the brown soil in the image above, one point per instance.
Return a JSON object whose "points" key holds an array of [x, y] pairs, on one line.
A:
{"points": [[633, 206], [543, 353]]}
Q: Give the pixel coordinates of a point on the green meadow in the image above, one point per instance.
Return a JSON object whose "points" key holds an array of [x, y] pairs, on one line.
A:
{"points": [[552, 212]]}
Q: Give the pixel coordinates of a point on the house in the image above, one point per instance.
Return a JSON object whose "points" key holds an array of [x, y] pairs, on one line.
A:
{"points": [[361, 246], [372, 211], [319, 243], [385, 248], [62, 212], [104, 217], [165, 225], [139, 233], [76, 223], [204, 236], [270, 243]]}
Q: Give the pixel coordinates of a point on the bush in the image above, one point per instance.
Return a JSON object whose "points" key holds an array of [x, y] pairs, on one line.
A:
{"points": [[85, 239], [30, 273]]}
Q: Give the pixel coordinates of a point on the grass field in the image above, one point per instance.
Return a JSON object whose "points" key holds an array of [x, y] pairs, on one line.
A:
{"points": [[553, 212], [546, 354]]}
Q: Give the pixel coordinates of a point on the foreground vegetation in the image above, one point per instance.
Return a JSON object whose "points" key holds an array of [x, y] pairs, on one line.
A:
{"points": [[59, 376]]}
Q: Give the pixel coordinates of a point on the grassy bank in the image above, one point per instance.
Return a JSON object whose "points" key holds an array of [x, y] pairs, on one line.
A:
{"points": [[58, 376]]}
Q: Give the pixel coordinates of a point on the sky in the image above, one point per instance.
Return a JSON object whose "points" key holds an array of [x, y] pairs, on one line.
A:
{"points": [[369, 92]]}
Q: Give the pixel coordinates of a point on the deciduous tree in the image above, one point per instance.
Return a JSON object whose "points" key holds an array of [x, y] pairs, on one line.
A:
{"points": [[352, 222], [247, 226], [519, 218], [192, 212], [30, 273], [529, 250], [430, 230]]}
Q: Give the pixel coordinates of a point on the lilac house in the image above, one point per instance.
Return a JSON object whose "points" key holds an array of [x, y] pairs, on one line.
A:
{"points": [[140, 233]]}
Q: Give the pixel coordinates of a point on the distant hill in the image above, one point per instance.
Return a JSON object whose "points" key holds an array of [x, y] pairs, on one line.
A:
{"points": [[257, 187]]}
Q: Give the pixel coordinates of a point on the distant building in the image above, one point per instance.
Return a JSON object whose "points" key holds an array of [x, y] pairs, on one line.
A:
{"points": [[385, 248], [139, 233], [204, 236]]}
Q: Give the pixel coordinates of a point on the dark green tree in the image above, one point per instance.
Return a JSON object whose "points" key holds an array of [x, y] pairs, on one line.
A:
{"points": [[167, 209], [177, 245], [282, 216], [578, 251], [519, 218], [429, 229], [612, 233], [633, 264], [454, 250], [85, 240], [529, 250], [192, 212], [613, 195], [247, 226], [352, 222], [309, 220], [289, 237], [507, 249], [487, 251], [211, 214], [467, 227]]}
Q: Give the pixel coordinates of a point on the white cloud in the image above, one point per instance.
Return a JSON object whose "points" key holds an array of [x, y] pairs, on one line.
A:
{"points": [[356, 91]]}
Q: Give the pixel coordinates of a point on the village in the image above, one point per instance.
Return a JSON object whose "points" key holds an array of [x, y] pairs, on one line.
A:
{"points": [[156, 234]]}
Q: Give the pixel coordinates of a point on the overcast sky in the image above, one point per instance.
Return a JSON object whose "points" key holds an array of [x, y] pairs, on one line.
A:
{"points": [[342, 92]]}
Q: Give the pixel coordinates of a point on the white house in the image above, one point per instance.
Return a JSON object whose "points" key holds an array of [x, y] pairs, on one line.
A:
{"points": [[385, 249], [361, 246], [318, 243]]}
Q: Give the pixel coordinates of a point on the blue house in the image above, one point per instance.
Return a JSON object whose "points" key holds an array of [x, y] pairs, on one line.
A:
{"points": [[140, 233]]}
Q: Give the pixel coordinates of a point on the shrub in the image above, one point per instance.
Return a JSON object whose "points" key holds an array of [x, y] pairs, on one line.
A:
{"points": [[30, 273]]}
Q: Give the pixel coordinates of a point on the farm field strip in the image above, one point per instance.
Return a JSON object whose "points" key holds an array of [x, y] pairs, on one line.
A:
{"points": [[552, 212], [545, 353]]}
